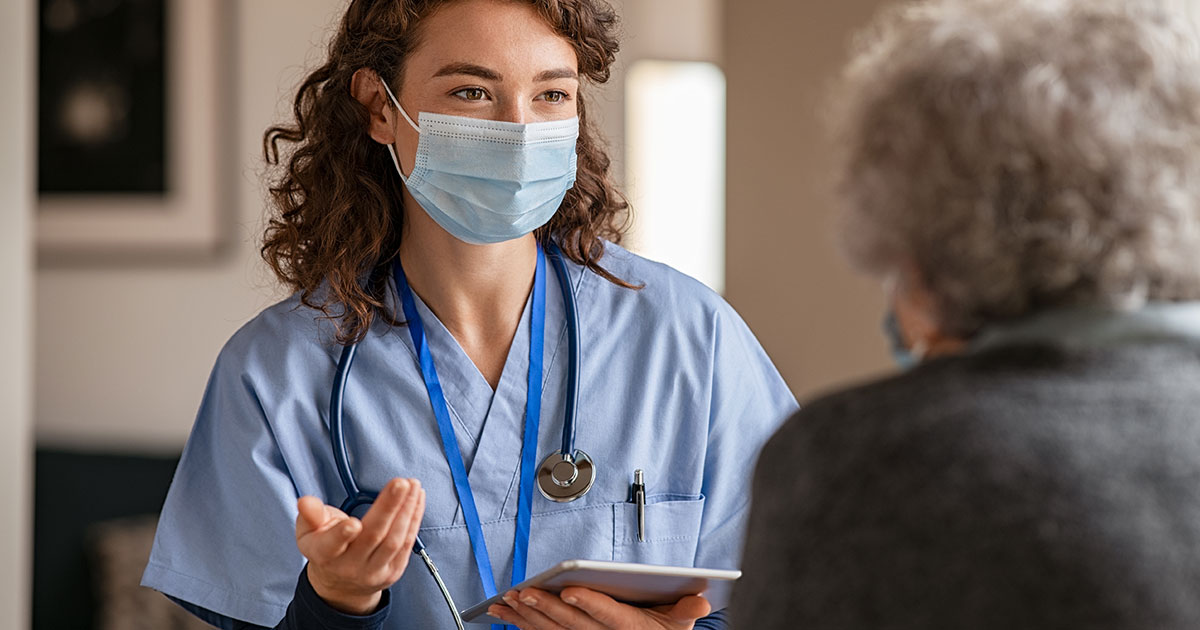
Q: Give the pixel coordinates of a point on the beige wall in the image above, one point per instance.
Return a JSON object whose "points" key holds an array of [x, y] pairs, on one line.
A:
{"points": [[818, 321], [16, 276], [123, 352], [677, 30]]}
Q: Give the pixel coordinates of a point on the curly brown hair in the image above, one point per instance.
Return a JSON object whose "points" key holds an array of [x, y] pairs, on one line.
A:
{"points": [[337, 213]]}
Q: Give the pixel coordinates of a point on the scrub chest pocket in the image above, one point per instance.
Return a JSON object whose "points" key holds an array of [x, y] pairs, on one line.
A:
{"points": [[672, 530]]}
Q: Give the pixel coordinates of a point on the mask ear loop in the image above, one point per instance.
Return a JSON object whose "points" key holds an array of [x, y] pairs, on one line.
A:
{"points": [[392, 149]]}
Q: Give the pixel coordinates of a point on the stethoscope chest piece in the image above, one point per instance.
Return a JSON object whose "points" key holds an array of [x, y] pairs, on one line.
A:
{"points": [[563, 478]]}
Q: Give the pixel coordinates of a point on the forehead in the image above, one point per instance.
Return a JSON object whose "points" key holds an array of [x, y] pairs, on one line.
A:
{"points": [[496, 34]]}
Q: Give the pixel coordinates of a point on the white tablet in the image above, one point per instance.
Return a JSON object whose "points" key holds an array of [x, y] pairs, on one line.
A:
{"points": [[638, 584]]}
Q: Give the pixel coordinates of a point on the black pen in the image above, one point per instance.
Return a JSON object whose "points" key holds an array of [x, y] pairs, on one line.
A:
{"points": [[639, 498]]}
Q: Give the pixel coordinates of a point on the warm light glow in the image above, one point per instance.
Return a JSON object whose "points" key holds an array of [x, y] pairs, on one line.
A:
{"points": [[1192, 9], [675, 165]]}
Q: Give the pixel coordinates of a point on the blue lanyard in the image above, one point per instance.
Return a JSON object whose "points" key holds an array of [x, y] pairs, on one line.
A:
{"points": [[533, 407]]}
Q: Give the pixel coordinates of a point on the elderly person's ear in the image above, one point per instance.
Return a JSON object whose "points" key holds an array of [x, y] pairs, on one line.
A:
{"points": [[917, 316]]}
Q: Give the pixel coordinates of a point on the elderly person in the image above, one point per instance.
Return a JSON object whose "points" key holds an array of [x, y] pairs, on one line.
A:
{"points": [[1024, 176]]}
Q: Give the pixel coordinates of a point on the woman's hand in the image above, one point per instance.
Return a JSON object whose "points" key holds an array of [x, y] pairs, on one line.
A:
{"points": [[583, 609], [351, 562]]}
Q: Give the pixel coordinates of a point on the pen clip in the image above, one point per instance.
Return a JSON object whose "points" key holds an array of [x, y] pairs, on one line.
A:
{"points": [[639, 499]]}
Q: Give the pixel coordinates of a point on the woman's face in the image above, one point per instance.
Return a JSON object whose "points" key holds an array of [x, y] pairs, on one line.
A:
{"points": [[491, 59]]}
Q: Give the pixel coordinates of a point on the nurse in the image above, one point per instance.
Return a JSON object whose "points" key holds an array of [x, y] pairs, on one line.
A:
{"points": [[439, 170]]}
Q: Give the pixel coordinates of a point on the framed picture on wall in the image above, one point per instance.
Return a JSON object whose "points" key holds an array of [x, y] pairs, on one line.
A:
{"points": [[130, 96]]}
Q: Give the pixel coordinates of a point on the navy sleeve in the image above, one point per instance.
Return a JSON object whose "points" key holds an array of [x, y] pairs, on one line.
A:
{"points": [[715, 621], [307, 611]]}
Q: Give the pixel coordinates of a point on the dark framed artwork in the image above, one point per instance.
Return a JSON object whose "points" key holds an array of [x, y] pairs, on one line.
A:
{"points": [[129, 100]]}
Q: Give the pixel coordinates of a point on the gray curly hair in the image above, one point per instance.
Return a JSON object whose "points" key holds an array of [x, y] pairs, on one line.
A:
{"points": [[1025, 154]]}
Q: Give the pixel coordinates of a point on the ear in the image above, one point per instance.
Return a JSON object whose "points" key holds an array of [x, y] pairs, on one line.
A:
{"points": [[367, 88], [917, 312]]}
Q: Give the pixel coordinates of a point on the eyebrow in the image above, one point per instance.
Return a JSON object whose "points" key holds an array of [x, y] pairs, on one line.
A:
{"points": [[491, 75], [468, 68], [558, 73]]}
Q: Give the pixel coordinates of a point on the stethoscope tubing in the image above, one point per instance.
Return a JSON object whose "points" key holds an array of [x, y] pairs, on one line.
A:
{"points": [[354, 496], [568, 292], [340, 456]]}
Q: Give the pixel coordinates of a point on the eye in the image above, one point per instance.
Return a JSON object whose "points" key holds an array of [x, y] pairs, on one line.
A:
{"points": [[471, 94], [555, 96]]}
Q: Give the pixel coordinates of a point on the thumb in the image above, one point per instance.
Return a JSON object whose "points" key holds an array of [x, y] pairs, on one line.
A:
{"points": [[689, 608], [312, 516]]}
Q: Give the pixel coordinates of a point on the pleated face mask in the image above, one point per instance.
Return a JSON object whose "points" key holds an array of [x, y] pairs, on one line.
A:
{"points": [[488, 181]]}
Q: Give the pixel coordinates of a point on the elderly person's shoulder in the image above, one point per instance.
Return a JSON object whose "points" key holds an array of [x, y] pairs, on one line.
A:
{"points": [[1038, 389], [1017, 484]]}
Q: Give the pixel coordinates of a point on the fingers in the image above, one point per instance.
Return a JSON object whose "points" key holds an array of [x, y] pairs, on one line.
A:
{"points": [[610, 613], [531, 609], [323, 532], [689, 608], [330, 543], [415, 517], [378, 520], [311, 517], [604, 609], [507, 615], [403, 532], [352, 561]]}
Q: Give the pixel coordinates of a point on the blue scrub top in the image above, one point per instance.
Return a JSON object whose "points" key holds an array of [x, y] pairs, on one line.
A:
{"points": [[672, 382]]}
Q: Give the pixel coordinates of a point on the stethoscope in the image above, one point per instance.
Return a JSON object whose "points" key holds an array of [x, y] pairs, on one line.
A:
{"points": [[563, 476]]}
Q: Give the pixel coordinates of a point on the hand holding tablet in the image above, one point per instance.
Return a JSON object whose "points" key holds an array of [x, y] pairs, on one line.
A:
{"points": [[638, 585]]}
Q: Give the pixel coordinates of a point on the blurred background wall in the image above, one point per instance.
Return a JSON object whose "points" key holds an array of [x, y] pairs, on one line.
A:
{"points": [[130, 373], [16, 316], [817, 320]]}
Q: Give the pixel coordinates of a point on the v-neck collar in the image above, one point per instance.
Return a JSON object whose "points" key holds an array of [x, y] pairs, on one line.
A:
{"points": [[468, 394], [489, 424]]}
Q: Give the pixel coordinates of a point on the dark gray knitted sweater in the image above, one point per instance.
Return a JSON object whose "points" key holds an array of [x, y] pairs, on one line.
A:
{"points": [[1027, 486]]}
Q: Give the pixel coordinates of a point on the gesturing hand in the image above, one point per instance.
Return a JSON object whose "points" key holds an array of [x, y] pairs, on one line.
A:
{"points": [[583, 609], [351, 562]]}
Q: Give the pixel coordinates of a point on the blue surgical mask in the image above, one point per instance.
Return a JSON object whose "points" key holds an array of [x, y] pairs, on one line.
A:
{"points": [[901, 353], [487, 181]]}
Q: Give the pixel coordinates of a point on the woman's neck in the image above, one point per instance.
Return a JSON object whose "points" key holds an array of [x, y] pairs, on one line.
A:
{"points": [[478, 292]]}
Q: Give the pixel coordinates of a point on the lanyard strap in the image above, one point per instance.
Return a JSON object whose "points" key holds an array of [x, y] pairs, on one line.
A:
{"points": [[441, 412]]}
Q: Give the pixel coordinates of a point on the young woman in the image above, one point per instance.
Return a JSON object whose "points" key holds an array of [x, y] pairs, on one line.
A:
{"points": [[445, 217]]}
